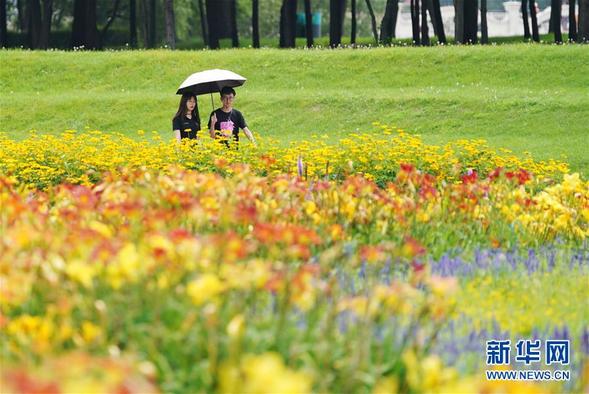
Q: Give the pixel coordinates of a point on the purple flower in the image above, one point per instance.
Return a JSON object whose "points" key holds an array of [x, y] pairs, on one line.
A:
{"points": [[300, 166]]}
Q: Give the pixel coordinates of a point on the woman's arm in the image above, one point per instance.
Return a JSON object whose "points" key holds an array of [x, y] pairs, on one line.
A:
{"points": [[177, 135], [212, 123]]}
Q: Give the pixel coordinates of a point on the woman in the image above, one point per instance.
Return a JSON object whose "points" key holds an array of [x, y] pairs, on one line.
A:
{"points": [[186, 122]]}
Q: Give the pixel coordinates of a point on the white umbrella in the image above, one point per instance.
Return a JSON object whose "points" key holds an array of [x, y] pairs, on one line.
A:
{"points": [[210, 81]]}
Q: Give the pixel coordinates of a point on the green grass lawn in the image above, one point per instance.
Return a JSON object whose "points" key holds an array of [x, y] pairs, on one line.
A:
{"points": [[520, 96]]}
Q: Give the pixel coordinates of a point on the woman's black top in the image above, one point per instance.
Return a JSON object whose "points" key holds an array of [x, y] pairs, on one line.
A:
{"points": [[188, 127]]}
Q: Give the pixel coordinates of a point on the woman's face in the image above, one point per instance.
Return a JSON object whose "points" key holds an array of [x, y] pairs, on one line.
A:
{"points": [[190, 104]]}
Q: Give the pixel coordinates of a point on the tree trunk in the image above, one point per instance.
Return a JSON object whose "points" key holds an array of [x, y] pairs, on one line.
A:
{"points": [[255, 23], [144, 10], [3, 32], [84, 32], [535, 34], [373, 20], [34, 23], [109, 21], [78, 36], [203, 22], [170, 21], [572, 22], [551, 22], [471, 20], [336, 19], [148, 22], [436, 15], [90, 28], [484, 28], [309, 23], [213, 8], [133, 23], [234, 31], [46, 24], [527, 35], [424, 27], [22, 17], [288, 21], [459, 21], [389, 21], [583, 21], [415, 21], [152, 24], [556, 6], [353, 27]]}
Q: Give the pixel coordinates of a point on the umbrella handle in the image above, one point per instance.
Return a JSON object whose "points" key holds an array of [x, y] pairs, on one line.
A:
{"points": [[212, 104]]}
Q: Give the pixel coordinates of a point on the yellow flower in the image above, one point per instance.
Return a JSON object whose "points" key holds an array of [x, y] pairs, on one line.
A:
{"points": [[386, 385], [265, 373], [90, 331], [204, 289]]}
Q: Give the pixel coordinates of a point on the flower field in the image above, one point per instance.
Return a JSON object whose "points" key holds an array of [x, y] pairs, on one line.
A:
{"points": [[381, 264]]}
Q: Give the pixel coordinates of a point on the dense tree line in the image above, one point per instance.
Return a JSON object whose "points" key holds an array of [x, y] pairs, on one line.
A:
{"points": [[152, 23]]}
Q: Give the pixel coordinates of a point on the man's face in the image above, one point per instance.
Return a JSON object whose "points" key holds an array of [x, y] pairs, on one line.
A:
{"points": [[227, 99]]}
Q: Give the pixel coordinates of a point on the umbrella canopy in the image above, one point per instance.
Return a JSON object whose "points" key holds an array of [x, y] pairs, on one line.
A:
{"points": [[210, 81]]}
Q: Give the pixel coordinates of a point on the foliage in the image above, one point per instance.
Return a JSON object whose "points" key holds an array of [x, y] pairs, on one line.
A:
{"points": [[82, 158], [512, 104], [274, 284]]}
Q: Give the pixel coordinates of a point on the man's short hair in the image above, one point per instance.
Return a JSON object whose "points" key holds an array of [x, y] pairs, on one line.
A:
{"points": [[227, 91]]}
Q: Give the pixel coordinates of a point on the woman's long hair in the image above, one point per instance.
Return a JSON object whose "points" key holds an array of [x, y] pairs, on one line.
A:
{"points": [[182, 107]]}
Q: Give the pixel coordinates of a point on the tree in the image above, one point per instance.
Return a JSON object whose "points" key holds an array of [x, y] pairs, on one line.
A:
{"points": [[203, 22], [484, 28], [535, 34], [436, 15], [466, 21], [255, 24], [22, 18], [459, 21], [336, 21], [527, 35], [213, 8], [556, 6], [3, 32], [33, 12], [471, 13], [389, 21], [288, 24], [414, 7], [84, 32], [353, 28], [148, 22], [424, 27], [583, 34], [373, 20], [572, 22], [233, 30], [152, 24], [309, 23], [133, 23], [111, 18], [170, 23], [221, 21]]}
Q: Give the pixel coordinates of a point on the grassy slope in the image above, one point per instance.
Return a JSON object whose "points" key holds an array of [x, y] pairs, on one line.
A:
{"points": [[524, 97]]}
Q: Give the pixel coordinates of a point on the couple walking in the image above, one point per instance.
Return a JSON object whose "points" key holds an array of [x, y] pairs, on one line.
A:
{"points": [[224, 122]]}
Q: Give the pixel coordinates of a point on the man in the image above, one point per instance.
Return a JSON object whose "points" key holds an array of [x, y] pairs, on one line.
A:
{"points": [[226, 121]]}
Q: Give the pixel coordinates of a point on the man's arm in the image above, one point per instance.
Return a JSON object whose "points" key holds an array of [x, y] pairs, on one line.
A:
{"points": [[249, 135]]}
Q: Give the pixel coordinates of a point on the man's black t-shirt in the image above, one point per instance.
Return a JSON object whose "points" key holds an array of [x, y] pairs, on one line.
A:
{"points": [[188, 127], [232, 120]]}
